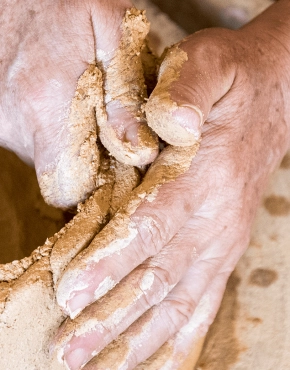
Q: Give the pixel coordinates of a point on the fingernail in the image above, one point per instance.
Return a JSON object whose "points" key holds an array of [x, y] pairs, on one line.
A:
{"points": [[78, 303], [75, 359], [190, 118]]}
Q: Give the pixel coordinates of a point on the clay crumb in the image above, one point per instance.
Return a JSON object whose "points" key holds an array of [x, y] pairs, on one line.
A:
{"points": [[255, 320], [277, 205], [263, 277], [285, 164]]}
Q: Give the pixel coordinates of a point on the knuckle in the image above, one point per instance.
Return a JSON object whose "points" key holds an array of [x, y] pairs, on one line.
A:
{"points": [[211, 42], [178, 312], [152, 233], [155, 285]]}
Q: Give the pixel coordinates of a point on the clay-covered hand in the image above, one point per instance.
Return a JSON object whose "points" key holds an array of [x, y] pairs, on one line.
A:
{"points": [[172, 250], [45, 47]]}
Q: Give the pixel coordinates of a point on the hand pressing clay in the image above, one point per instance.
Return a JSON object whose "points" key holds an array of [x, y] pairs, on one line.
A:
{"points": [[28, 307], [114, 90]]}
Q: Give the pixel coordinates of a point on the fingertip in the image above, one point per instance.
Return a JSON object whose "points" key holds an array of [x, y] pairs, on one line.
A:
{"points": [[121, 119], [127, 137], [75, 359]]}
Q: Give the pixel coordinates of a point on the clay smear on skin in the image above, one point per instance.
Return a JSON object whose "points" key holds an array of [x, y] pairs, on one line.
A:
{"points": [[121, 231], [114, 310], [160, 108], [117, 354], [81, 159], [124, 87]]}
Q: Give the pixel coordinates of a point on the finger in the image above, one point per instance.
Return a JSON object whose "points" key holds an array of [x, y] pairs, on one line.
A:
{"points": [[145, 287], [59, 110], [192, 78], [138, 231], [66, 156], [123, 128], [64, 148], [183, 350], [185, 323]]}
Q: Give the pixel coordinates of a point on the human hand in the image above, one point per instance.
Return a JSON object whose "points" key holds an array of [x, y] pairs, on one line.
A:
{"points": [[174, 249], [46, 46]]}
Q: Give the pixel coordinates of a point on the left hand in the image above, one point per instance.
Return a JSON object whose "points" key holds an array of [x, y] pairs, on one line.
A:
{"points": [[181, 247]]}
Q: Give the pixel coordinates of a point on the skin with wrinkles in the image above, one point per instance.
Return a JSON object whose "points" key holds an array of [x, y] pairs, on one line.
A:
{"points": [[162, 112], [121, 231], [194, 230], [127, 89], [46, 118]]}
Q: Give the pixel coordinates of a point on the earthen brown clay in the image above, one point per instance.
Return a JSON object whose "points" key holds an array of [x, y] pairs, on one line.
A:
{"points": [[124, 87], [28, 308]]}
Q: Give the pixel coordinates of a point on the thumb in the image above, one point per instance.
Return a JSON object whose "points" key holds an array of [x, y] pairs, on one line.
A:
{"points": [[194, 75]]}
